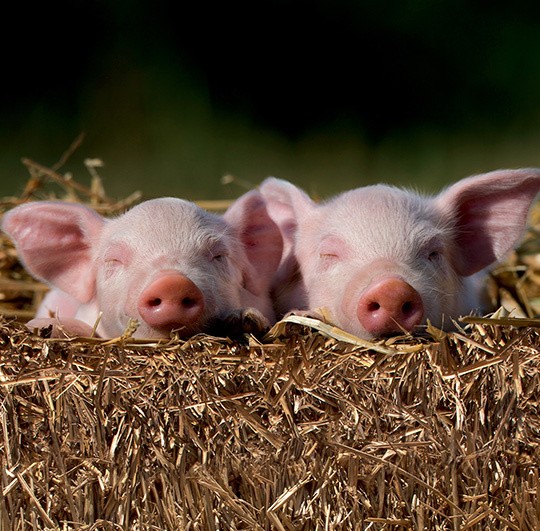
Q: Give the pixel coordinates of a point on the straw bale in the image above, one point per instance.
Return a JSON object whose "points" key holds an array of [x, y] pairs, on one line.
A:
{"points": [[307, 428]]}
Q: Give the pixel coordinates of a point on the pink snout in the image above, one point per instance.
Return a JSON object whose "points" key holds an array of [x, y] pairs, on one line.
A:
{"points": [[390, 306], [171, 301]]}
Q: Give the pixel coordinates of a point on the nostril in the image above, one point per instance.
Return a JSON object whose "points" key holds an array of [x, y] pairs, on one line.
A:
{"points": [[373, 306], [154, 302], [189, 302], [408, 308]]}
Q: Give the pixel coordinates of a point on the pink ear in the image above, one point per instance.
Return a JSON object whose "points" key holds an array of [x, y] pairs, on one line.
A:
{"points": [[261, 238], [490, 213], [54, 241], [286, 205]]}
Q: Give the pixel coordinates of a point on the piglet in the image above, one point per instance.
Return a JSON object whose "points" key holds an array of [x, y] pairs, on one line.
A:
{"points": [[382, 260], [166, 263]]}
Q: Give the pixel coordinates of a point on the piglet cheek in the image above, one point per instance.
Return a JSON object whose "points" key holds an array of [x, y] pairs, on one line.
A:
{"points": [[132, 293], [349, 303]]}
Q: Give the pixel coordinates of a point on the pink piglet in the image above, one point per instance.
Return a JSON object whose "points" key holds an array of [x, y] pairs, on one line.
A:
{"points": [[383, 260], [166, 263]]}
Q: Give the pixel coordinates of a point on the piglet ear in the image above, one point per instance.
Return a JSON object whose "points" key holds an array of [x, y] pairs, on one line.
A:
{"points": [[489, 213], [260, 237], [287, 205], [54, 241]]}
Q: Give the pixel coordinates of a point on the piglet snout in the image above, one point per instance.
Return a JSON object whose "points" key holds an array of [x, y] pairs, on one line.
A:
{"points": [[171, 301], [390, 306]]}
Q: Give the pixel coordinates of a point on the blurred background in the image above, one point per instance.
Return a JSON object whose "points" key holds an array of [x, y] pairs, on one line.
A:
{"points": [[330, 94]]}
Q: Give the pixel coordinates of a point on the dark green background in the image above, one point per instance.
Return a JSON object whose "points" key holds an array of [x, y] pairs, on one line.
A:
{"points": [[328, 94]]}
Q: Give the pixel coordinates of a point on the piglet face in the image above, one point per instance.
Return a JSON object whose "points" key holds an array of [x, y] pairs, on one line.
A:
{"points": [[385, 269], [168, 264]]}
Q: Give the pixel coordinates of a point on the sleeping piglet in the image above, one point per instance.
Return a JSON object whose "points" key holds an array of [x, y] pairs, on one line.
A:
{"points": [[382, 260], [166, 263]]}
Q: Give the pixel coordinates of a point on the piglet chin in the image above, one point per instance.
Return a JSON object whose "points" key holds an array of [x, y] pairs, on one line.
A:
{"points": [[143, 331]]}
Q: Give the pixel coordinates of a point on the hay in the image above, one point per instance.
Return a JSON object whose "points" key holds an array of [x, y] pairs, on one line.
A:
{"points": [[307, 429]]}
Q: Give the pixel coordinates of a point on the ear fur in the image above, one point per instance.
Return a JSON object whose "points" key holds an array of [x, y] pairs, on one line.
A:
{"points": [[490, 212], [54, 241], [261, 238]]}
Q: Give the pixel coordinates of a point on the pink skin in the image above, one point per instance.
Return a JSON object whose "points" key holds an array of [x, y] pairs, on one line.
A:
{"points": [[390, 305], [171, 299], [381, 260], [166, 263]]}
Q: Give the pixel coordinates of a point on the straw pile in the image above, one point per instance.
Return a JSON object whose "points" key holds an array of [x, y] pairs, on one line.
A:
{"points": [[309, 428]]}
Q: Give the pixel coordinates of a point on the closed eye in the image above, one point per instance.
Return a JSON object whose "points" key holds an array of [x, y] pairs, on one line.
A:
{"points": [[220, 257], [434, 254], [117, 256], [331, 249], [328, 260], [112, 265], [216, 250], [219, 253]]}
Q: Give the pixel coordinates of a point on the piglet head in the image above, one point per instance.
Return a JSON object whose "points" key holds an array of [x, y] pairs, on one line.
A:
{"points": [[383, 260], [166, 262]]}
